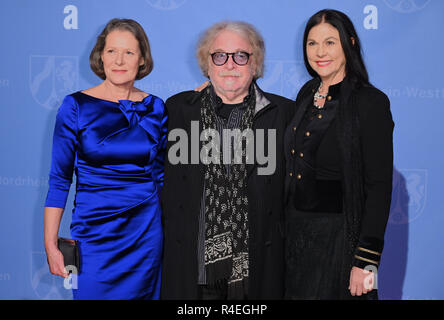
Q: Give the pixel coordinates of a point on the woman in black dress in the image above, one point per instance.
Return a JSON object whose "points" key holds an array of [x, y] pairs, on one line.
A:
{"points": [[339, 152]]}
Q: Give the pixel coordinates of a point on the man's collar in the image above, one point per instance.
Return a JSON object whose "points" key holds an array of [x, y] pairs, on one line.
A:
{"points": [[261, 100], [218, 101]]}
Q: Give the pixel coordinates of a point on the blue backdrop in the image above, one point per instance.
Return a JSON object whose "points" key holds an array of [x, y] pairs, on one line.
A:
{"points": [[44, 56]]}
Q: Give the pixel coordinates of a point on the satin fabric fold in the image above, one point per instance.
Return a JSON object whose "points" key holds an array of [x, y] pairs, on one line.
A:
{"points": [[116, 150]]}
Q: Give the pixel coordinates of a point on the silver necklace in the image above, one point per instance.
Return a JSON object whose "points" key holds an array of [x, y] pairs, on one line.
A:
{"points": [[317, 96]]}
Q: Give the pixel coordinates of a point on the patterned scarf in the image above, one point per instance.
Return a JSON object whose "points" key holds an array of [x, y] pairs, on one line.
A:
{"points": [[226, 207]]}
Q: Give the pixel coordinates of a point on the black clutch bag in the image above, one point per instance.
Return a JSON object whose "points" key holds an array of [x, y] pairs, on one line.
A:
{"points": [[70, 251]]}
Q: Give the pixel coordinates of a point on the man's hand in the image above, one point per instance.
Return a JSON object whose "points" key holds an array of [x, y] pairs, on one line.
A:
{"points": [[202, 86]]}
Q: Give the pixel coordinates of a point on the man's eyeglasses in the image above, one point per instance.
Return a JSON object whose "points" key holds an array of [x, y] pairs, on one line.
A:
{"points": [[240, 57]]}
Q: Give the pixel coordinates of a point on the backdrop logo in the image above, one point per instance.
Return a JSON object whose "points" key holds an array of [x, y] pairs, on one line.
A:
{"points": [[166, 88], [166, 4], [409, 195], [406, 6], [45, 285], [284, 78], [4, 83], [411, 92], [51, 78]]}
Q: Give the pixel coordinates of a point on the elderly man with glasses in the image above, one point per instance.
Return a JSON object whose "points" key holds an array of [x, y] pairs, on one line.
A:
{"points": [[223, 189]]}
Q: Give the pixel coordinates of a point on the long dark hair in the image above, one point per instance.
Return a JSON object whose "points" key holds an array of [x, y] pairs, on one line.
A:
{"points": [[354, 66]]}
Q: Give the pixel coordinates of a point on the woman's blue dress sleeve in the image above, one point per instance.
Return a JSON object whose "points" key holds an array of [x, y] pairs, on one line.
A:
{"points": [[159, 160], [63, 154]]}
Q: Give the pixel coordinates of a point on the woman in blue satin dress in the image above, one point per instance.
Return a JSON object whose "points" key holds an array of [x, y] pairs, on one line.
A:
{"points": [[113, 137]]}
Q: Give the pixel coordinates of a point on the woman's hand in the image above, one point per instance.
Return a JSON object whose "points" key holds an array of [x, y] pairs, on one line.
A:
{"points": [[202, 86], [361, 281], [51, 229], [56, 262]]}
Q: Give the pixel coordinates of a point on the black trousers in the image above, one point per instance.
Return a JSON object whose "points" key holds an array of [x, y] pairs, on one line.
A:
{"points": [[218, 291]]}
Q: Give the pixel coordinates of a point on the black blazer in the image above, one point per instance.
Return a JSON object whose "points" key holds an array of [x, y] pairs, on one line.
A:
{"points": [[376, 137], [181, 196]]}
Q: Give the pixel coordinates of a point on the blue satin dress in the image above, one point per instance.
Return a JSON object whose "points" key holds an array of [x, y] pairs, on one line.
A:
{"points": [[116, 150]]}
